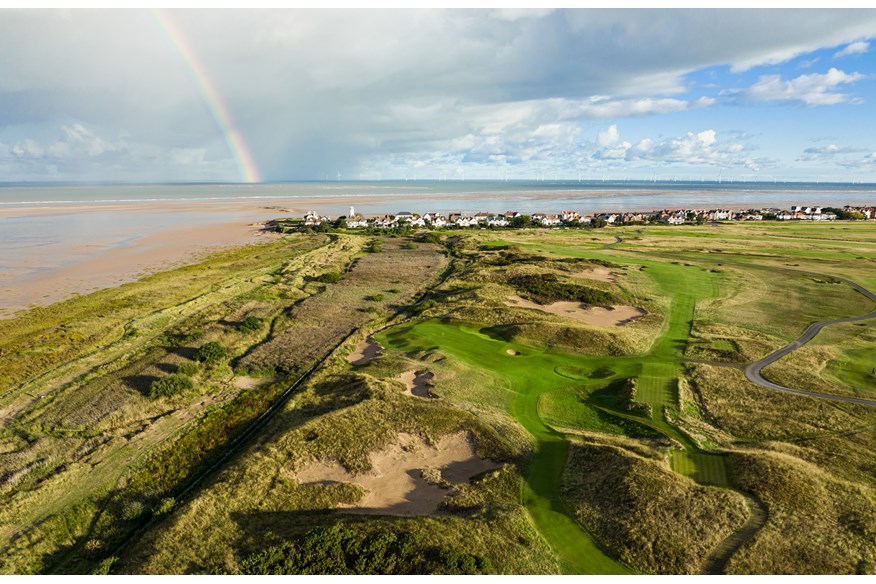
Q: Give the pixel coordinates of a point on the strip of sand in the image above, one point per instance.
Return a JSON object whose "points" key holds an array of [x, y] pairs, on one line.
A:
{"points": [[617, 315], [396, 484]]}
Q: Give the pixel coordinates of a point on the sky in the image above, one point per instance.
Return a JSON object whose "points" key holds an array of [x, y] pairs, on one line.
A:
{"points": [[282, 95]]}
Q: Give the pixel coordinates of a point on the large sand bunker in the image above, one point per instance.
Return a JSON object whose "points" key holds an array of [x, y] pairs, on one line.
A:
{"points": [[418, 383], [365, 352], [618, 315], [395, 484]]}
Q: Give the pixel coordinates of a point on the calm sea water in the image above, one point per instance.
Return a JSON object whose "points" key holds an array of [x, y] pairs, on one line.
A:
{"points": [[450, 196]]}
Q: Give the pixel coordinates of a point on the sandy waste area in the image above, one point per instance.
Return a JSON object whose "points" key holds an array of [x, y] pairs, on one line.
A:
{"points": [[619, 315], [418, 384], [395, 484], [365, 352]]}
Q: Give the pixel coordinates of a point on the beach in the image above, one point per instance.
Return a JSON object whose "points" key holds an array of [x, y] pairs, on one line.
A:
{"points": [[55, 252]]}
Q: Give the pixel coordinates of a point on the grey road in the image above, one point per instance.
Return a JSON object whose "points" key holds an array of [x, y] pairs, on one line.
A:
{"points": [[753, 371]]}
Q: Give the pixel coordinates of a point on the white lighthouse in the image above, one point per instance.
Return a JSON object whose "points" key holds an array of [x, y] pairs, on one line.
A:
{"points": [[352, 212]]}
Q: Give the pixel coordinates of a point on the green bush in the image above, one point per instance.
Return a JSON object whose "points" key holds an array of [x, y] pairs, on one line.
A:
{"points": [[211, 352], [341, 550], [410, 245], [329, 278], [250, 324], [374, 247], [189, 368], [376, 298], [546, 288], [169, 385]]}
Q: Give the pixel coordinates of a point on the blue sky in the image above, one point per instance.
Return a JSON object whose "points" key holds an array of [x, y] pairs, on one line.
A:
{"points": [[747, 94]]}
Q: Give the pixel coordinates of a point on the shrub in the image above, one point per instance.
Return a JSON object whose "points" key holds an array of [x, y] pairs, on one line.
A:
{"points": [[250, 324], [188, 368], [376, 298], [546, 288], [374, 247], [410, 245], [341, 550], [329, 278], [169, 385], [164, 506], [211, 352]]}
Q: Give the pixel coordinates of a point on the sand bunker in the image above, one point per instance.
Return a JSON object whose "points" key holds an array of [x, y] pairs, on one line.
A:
{"points": [[601, 274], [619, 315], [512, 352], [395, 485], [365, 352], [418, 384]]}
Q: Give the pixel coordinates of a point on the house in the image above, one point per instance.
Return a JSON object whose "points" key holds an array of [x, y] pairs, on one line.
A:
{"points": [[357, 222], [312, 218]]}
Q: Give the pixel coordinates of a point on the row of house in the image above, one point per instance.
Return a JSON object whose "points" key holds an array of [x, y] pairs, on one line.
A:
{"points": [[574, 218]]}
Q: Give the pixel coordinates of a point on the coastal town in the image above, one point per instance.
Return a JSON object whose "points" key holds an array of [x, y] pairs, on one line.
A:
{"points": [[517, 220]]}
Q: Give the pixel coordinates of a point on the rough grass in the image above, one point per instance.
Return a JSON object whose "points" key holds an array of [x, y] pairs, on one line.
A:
{"points": [[656, 520], [817, 524], [342, 417]]}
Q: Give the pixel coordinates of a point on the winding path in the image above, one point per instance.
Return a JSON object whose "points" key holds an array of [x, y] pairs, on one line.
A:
{"points": [[753, 371]]}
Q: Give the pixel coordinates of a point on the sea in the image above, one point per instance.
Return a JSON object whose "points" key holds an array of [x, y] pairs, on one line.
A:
{"points": [[419, 196]]}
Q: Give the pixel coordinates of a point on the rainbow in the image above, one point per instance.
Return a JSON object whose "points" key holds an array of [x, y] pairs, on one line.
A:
{"points": [[249, 172]]}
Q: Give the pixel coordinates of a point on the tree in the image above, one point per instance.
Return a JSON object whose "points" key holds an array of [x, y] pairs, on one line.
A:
{"points": [[211, 352]]}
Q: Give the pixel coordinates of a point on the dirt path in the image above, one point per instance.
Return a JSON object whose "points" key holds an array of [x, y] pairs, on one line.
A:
{"points": [[717, 561]]}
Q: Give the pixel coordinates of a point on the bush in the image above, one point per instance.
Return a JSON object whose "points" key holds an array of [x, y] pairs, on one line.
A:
{"points": [[211, 352], [546, 288], [376, 298], [341, 550], [250, 324], [374, 247], [329, 278], [169, 385], [189, 368], [410, 245]]}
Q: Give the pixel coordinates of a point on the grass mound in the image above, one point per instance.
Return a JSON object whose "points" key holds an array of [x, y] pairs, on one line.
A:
{"points": [[656, 520]]}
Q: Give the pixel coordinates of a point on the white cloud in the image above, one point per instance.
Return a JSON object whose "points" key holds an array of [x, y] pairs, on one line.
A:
{"points": [[829, 152], [812, 90], [348, 88], [80, 152], [700, 148], [856, 48], [608, 137], [866, 162]]}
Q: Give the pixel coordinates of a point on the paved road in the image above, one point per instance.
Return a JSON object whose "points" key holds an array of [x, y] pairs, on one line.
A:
{"points": [[753, 371]]}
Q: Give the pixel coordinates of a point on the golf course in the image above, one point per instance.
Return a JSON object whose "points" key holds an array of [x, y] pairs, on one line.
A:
{"points": [[693, 399]]}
